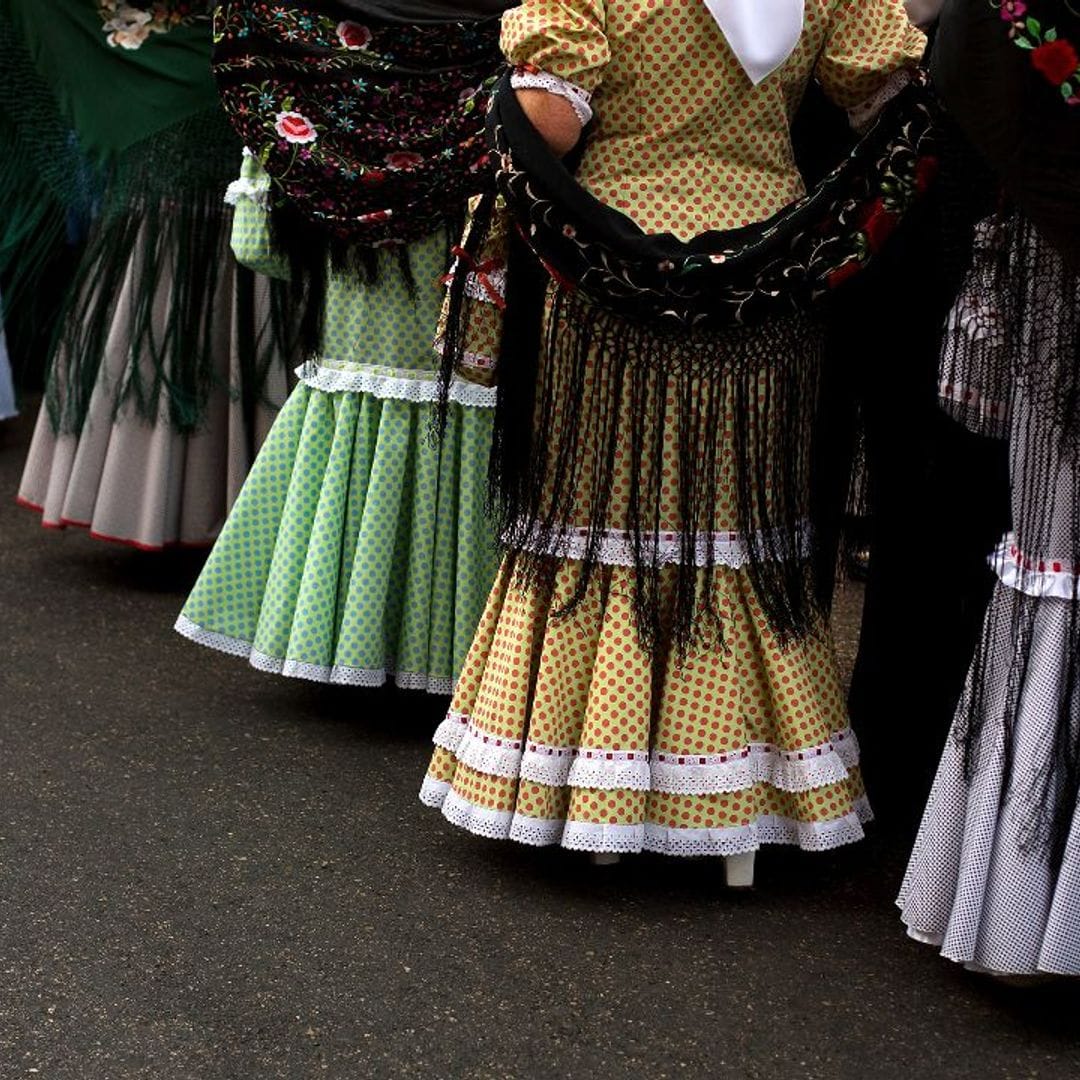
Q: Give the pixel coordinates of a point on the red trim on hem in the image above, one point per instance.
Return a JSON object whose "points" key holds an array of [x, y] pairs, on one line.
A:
{"points": [[138, 545]]}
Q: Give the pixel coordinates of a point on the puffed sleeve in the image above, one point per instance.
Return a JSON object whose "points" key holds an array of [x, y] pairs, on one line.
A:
{"points": [[869, 42], [564, 40]]}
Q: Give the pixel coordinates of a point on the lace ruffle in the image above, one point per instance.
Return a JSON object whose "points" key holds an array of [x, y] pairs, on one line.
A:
{"points": [[477, 287], [476, 360], [729, 549], [1035, 576], [646, 836], [862, 116], [973, 401], [258, 191], [400, 384], [542, 80], [337, 674], [677, 774]]}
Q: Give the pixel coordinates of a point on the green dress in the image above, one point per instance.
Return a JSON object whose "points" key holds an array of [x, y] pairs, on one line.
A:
{"points": [[358, 550]]}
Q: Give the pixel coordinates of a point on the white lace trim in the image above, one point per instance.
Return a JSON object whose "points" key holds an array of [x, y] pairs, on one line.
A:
{"points": [[258, 191], [1034, 576], [862, 116], [337, 675], [212, 640], [400, 384], [542, 80], [475, 288], [641, 770], [729, 549], [631, 839], [480, 361], [973, 400], [978, 321]]}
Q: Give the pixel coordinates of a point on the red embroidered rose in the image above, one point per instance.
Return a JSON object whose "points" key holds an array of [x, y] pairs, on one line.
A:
{"points": [[842, 273], [1056, 61], [877, 223], [294, 127], [403, 159], [925, 173], [353, 35], [373, 177]]}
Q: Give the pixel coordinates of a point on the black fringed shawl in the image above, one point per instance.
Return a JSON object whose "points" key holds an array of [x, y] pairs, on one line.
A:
{"points": [[135, 135], [1011, 365], [368, 116], [723, 322]]}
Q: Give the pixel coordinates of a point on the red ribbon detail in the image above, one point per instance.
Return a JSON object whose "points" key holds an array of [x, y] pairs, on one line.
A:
{"points": [[480, 270]]}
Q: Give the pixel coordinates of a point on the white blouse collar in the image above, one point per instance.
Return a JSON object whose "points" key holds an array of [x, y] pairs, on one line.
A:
{"points": [[761, 33]]}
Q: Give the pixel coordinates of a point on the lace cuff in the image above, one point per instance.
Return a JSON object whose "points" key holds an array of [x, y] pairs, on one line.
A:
{"points": [[862, 116], [529, 79], [253, 184]]}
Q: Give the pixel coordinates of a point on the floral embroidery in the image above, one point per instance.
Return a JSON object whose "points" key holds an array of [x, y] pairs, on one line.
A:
{"points": [[353, 35], [294, 127], [128, 26], [1052, 56], [371, 131], [789, 262]]}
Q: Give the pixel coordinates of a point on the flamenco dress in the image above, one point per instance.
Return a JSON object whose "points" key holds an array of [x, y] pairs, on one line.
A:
{"points": [[358, 551], [570, 725], [169, 363], [994, 877]]}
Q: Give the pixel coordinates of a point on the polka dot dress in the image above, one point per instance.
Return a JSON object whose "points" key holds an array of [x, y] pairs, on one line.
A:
{"points": [[974, 887], [563, 729], [683, 141], [357, 551]]}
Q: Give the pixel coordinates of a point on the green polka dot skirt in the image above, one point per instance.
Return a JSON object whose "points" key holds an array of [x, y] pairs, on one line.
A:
{"points": [[357, 551]]}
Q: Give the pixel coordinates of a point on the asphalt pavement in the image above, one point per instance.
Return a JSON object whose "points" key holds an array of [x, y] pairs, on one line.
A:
{"points": [[207, 872]]}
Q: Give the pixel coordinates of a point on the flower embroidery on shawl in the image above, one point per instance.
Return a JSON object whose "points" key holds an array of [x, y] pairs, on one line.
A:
{"points": [[1052, 56], [367, 129], [353, 35], [295, 127], [403, 159], [128, 26]]}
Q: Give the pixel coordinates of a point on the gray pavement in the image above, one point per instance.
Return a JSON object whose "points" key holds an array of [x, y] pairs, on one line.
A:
{"points": [[207, 872]]}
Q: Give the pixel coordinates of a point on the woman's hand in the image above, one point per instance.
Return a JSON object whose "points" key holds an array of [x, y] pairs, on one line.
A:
{"points": [[553, 117]]}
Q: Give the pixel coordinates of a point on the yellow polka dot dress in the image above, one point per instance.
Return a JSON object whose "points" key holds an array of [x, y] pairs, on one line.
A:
{"points": [[564, 729]]}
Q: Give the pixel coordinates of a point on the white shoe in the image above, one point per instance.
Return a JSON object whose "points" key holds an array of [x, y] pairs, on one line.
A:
{"points": [[739, 870]]}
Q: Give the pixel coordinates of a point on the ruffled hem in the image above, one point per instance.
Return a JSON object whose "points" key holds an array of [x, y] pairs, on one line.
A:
{"points": [[975, 887], [335, 674], [605, 838], [355, 541], [678, 774], [966, 957], [1034, 576], [146, 486]]}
